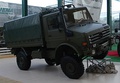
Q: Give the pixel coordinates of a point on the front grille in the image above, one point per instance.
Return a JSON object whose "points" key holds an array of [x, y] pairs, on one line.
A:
{"points": [[96, 37]]}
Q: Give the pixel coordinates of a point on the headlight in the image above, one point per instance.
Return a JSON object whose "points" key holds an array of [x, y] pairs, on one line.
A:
{"points": [[93, 51], [94, 45]]}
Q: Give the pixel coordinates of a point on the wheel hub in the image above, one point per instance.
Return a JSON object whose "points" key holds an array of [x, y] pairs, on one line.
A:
{"points": [[70, 68], [21, 61]]}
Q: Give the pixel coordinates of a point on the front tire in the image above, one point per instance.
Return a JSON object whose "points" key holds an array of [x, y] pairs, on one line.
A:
{"points": [[71, 67], [23, 61]]}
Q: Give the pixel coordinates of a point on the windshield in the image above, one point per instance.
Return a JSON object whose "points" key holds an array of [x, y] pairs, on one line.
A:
{"points": [[77, 16]]}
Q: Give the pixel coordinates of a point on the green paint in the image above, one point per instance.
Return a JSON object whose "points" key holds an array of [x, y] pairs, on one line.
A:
{"points": [[114, 59], [114, 47], [6, 11], [24, 8], [59, 3]]}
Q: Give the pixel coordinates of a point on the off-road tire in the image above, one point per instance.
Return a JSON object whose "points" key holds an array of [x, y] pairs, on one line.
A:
{"points": [[72, 68], [49, 61], [118, 48], [101, 56], [23, 61]]}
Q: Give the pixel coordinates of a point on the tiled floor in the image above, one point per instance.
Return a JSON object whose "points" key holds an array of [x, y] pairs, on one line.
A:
{"points": [[41, 73]]}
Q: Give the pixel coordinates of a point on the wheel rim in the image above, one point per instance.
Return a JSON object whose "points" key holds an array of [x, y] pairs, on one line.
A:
{"points": [[70, 68], [21, 61]]}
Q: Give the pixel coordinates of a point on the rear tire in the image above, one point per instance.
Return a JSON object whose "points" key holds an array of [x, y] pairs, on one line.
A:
{"points": [[23, 61], [71, 67], [49, 61]]}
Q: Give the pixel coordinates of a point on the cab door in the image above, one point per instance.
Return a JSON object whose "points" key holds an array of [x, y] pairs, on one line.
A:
{"points": [[54, 30]]}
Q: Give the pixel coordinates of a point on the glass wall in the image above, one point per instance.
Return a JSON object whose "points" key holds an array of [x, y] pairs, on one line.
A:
{"points": [[115, 13]]}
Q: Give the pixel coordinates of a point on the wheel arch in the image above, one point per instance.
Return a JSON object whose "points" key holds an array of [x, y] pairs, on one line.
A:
{"points": [[71, 47], [17, 50]]}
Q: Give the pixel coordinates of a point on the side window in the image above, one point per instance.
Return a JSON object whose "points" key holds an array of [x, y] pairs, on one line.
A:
{"points": [[52, 22], [80, 15]]}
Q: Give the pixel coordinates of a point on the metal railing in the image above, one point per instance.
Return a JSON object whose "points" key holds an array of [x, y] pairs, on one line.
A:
{"points": [[5, 50]]}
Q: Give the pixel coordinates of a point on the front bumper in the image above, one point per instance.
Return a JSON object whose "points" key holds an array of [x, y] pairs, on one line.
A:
{"points": [[97, 49]]}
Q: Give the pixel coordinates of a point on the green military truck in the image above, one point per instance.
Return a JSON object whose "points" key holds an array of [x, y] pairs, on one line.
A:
{"points": [[63, 36]]}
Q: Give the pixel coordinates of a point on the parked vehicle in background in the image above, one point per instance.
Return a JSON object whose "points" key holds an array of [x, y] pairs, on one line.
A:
{"points": [[117, 39]]}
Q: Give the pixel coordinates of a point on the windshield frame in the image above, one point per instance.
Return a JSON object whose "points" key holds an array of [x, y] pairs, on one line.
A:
{"points": [[70, 17]]}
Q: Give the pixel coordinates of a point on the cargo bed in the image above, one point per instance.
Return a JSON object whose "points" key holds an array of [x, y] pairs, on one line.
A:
{"points": [[23, 32]]}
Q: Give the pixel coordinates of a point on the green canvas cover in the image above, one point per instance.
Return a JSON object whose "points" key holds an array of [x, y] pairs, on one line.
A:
{"points": [[23, 32]]}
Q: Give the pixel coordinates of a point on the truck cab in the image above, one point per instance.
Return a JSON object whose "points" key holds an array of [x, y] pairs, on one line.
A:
{"points": [[77, 27]]}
